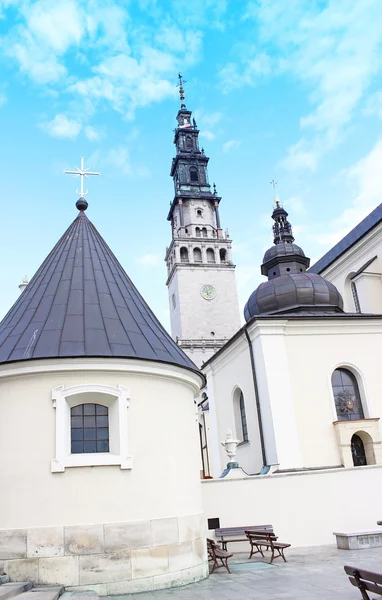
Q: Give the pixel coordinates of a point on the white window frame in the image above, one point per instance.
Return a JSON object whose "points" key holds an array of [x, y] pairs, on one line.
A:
{"points": [[117, 401]]}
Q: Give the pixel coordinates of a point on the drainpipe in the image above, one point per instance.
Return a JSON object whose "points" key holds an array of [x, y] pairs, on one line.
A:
{"points": [[258, 408]]}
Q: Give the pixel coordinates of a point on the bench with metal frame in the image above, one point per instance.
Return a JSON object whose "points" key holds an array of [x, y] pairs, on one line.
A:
{"points": [[217, 554], [268, 541], [237, 534], [365, 581]]}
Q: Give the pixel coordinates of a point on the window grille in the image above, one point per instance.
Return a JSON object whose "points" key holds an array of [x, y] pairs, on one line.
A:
{"points": [[346, 396], [89, 428]]}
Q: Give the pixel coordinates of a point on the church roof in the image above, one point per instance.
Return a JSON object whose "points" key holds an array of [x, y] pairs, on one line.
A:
{"points": [[349, 240], [82, 303]]}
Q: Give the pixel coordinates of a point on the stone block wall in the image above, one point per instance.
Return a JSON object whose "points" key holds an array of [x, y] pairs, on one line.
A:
{"points": [[109, 558]]}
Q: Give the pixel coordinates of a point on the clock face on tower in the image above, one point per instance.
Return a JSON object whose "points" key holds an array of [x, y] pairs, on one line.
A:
{"points": [[208, 292]]}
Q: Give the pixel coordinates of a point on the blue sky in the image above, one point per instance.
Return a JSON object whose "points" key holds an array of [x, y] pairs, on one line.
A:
{"points": [[290, 91]]}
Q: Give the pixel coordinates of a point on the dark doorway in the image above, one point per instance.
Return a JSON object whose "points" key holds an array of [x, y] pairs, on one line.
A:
{"points": [[358, 451]]}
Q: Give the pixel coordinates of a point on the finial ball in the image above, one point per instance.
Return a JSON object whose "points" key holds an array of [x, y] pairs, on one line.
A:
{"points": [[81, 204]]}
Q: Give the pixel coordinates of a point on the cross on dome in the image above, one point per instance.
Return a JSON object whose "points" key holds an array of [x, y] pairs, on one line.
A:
{"points": [[82, 172]]}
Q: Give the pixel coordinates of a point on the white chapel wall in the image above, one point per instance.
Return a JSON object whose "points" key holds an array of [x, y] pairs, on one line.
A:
{"points": [[316, 349], [230, 371], [304, 508], [122, 530]]}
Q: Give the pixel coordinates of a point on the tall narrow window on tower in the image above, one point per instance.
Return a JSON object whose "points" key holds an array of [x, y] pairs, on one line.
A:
{"points": [[194, 175], [189, 144]]}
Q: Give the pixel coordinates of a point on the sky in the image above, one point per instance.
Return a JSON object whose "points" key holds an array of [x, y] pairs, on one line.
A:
{"points": [[290, 91]]}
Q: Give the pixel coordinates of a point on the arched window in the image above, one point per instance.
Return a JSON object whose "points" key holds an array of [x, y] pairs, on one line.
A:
{"points": [[210, 255], [194, 174], [197, 231], [183, 255], [204, 231], [199, 212], [240, 416], [346, 395], [358, 451], [197, 255], [189, 144], [89, 426], [223, 254]]}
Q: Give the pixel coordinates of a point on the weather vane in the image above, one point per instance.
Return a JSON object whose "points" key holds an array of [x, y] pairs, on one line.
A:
{"points": [[181, 90], [274, 183], [82, 172]]}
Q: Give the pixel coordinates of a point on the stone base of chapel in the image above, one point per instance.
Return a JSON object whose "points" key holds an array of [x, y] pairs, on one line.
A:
{"points": [[108, 558]]}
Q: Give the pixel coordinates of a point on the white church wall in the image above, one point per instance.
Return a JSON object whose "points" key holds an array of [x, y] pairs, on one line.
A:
{"points": [[232, 370], [276, 394], [315, 349], [144, 521], [200, 317], [349, 263], [304, 508]]}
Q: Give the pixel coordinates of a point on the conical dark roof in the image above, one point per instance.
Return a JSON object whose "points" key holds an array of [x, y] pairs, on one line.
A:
{"points": [[82, 303]]}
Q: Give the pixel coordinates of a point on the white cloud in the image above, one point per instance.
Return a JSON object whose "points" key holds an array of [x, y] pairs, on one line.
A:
{"points": [[207, 122], [128, 65], [209, 135], [331, 48], [230, 145], [92, 134], [254, 65], [150, 260], [366, 177], [374, 104], [120, 159], [3, 98], [62, 127], [304, 155], [59, 24]]}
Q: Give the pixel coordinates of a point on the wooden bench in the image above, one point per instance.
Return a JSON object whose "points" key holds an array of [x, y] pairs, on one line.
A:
{"points": [[267, 540], [237, 534], [365, 581], [215, 554]]}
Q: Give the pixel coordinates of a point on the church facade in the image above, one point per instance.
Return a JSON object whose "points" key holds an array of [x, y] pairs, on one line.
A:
{"points": [[299, 383], [106, 421]]}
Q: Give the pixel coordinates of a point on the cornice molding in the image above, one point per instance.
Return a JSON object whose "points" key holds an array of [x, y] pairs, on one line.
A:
{"points": [[86, 365]]}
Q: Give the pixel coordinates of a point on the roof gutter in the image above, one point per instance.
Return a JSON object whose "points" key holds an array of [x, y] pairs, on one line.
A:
{"points": [[258, 408]]}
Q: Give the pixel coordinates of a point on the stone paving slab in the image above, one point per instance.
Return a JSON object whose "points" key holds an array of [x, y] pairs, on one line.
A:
{"points": [[310, 574]]}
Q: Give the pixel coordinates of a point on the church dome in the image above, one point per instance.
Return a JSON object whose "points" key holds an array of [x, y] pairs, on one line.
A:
{"points": [[294, 292], [289, 287], [283, 249]]}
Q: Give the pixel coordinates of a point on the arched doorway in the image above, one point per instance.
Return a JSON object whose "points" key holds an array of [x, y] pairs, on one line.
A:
{"points": [[358, 451]]}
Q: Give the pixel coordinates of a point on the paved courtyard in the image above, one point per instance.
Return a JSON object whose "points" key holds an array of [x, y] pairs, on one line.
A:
{"points": [[309, 574]]}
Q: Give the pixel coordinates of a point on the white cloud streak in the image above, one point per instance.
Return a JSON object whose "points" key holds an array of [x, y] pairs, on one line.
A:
{"points": [[366, 177], [150, 260], [332, 49], [231, 145], [62, 127]]}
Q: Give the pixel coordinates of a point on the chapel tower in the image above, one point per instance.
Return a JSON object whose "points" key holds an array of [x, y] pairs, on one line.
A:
{"points": [[201, 281]]}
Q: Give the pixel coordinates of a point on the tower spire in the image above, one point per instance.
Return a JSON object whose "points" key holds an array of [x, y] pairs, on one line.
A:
{"points": [[181, 90], [282, 229]]}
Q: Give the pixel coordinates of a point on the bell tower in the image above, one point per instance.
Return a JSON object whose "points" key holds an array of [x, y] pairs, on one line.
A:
{"points": [[201, 281]]}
